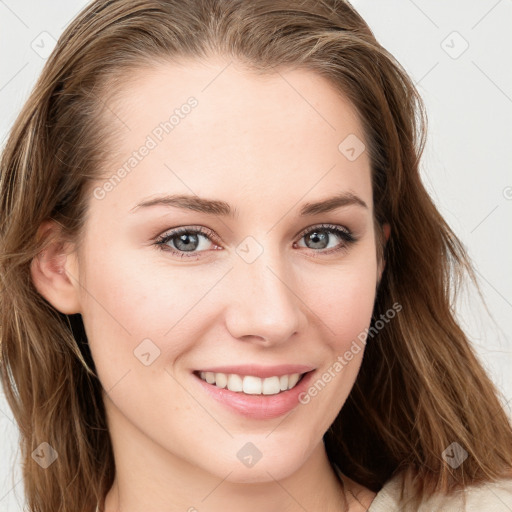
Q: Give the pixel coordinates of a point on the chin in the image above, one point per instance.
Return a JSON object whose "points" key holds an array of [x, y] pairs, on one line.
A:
{"points": [[249, 464]]}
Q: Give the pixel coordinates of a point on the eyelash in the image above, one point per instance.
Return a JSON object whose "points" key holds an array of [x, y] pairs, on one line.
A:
{"points": [[347, 238]]}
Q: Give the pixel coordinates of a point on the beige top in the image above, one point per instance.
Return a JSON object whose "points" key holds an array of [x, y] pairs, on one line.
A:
{"points": [[490, 497]]}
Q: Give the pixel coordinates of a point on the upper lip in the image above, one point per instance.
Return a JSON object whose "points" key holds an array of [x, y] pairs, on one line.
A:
{"points": [[260, 371]]}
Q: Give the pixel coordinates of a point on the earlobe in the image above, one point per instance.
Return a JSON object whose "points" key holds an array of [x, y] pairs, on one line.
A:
{"points": [[53, 271]]}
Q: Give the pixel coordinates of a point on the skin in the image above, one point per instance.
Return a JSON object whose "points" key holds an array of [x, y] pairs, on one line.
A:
{"points": [[274, 137]]}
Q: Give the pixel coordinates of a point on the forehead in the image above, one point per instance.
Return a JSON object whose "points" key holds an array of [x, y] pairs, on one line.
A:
{"points": [[215, 128]]}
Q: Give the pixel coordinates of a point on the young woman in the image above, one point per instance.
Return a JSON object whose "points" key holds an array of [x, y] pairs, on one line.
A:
{"points": [[223, 284]]}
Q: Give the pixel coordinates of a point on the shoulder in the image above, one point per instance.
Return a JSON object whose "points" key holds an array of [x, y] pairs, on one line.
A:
{"points": [[493, 496]]}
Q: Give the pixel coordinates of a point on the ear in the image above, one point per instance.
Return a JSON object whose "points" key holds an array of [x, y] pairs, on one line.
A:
{"points": [[386, 231], [54, 270]]}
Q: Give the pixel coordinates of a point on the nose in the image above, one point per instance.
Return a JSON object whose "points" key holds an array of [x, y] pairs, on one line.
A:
{"points": [[264, 306]]}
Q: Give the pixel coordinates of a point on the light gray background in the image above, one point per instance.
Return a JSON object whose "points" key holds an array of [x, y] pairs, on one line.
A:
{"points": [[466, 165]]}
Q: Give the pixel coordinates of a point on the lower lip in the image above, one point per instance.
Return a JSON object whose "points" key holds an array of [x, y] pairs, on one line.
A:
{"points": [[260, 407]]}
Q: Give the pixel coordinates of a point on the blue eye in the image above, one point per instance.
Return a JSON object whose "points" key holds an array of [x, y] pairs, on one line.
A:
{"points": [[188, 242], [184, 240], [321, 235]]}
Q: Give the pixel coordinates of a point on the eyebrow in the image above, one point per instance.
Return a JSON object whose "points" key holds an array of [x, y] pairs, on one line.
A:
{"points": [[217, 207]]}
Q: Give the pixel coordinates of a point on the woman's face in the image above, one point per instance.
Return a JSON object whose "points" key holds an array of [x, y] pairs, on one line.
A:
{"points": [[264, 290]]}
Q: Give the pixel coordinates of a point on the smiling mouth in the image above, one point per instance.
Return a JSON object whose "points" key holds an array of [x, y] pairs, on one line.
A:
{"points": [[250, 384]]}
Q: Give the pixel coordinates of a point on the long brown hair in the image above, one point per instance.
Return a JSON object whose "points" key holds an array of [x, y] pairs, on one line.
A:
{"points": [[420, 386]]}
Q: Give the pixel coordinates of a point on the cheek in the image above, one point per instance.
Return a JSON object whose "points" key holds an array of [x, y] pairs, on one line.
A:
{"points": [[346, 302], [348, 312], [130, 306], [343, 311]]}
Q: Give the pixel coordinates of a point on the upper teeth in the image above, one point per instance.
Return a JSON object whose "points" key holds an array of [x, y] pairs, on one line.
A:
{"points": [[250, 384]]}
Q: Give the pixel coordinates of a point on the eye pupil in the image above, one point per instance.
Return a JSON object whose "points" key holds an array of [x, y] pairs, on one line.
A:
{"points": [[188, 246], [317, 238]]}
